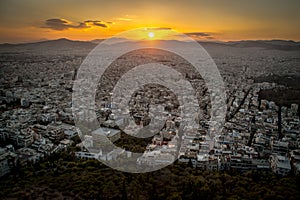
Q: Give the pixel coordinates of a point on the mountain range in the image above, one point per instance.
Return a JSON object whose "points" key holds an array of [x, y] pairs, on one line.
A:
{"points": [[65, 45]]}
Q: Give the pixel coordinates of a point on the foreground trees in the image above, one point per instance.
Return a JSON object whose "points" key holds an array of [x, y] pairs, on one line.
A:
{"points": [[89, 179]]}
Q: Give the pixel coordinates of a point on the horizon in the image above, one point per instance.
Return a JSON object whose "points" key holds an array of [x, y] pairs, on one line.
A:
{"points": [[32, 21], [98, 40]]}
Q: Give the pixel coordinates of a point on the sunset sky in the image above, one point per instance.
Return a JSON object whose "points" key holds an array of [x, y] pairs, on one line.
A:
{"points": [[34, 20]]}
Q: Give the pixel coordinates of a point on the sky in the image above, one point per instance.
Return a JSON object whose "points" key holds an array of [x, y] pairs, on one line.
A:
{"points": [[212, 20]]}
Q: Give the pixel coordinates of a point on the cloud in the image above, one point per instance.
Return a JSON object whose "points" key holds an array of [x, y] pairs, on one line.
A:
{"points": [[200, 35], [197, 34], [62, 24], [57, 24], [96, 23], [159, 29]]}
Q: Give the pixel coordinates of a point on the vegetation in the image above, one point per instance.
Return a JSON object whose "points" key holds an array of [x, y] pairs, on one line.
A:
{"points": [[62, 176], [281, 96], [126, 142]]}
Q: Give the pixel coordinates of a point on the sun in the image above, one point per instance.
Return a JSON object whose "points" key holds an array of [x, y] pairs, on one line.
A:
{"points": [[151, 34]]}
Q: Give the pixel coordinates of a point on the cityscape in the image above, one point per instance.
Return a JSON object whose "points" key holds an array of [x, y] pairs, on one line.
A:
{"points": [[209, 111], [259, 134]]}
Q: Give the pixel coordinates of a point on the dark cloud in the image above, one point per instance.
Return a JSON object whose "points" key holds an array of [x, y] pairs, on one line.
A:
{"points": [[57, 24], [62, 24], [81, 25], [96, 23], [200, 35], [159, 29]]}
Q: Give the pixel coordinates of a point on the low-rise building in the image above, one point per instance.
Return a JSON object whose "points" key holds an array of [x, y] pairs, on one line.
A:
{"points": [[280, 164], [100, 135], [8, 160]]}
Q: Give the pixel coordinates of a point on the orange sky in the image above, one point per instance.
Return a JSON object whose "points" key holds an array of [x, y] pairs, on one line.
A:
{"points": [[33, 20]]}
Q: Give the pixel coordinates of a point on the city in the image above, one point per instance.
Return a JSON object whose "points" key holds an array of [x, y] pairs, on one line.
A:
{"points": [[37, 119]]}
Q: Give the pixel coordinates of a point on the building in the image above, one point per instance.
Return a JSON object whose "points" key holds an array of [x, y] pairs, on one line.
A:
{"points": [[4, 135], [70, 134], [155, 158], [205, 162], [279, 147], [55, 133], [86, 155], [27, 155], [280, 165], [241, 163], [8, 161], [295, 161], [65, 143], [101, 134], [24, 138]]}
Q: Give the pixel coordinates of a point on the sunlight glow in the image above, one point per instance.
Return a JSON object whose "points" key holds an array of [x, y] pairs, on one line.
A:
{"points": [[151, 35]]}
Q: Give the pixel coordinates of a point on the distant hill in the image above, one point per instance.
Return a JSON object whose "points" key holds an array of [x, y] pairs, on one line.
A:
{"points": [[96, 41], [267, 44], [64, 45]]}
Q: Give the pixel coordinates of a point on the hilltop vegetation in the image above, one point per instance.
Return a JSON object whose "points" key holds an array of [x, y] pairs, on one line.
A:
{"points": [[62, 176]]}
